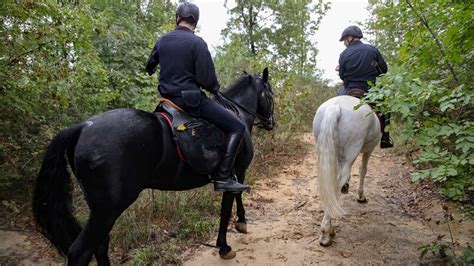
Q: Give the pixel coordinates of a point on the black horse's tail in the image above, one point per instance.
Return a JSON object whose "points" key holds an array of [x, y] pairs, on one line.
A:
{"points": [[52, 199]]}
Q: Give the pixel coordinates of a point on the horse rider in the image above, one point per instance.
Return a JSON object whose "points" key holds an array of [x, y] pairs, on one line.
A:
{"points": [[359, 65], [186, 67]]}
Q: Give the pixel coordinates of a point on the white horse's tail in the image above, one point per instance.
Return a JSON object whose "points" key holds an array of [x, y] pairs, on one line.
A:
{"points": [[327, 164]]}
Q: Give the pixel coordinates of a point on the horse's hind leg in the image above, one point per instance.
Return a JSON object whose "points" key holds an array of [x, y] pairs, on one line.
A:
{"points": [[344, 176], [327, 231], [362, 173], [241, 224], [93, 238]]}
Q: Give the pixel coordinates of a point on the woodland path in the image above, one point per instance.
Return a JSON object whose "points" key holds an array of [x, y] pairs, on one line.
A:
{"points": [[284, 216]]}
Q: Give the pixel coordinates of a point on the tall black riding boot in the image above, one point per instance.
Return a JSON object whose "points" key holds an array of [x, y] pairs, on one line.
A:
{"points": [[386, 141], [225, 181]]}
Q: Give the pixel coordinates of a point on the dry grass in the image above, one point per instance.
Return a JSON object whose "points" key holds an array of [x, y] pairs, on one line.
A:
{"points": [[272, 150], [160, 225]]}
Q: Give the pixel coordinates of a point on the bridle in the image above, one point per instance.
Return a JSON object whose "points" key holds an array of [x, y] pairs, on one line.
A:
{"points": [[268, 97]]}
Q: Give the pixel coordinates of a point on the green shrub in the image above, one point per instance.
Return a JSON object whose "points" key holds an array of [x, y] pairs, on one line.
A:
{"points": [[438, 119], [430, 51]]}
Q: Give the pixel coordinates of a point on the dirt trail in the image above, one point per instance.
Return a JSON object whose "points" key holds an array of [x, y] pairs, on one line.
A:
{"points": [[17, 249], [284, 218]]}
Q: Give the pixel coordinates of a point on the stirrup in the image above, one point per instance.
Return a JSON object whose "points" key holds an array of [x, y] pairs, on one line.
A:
{"points": [[230, 185]]}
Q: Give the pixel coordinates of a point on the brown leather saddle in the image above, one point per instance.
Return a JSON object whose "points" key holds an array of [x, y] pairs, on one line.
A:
{"points": [[356, 92]]}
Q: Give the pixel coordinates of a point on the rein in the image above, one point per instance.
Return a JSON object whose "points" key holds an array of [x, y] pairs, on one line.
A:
{"points": [[222, 98]]}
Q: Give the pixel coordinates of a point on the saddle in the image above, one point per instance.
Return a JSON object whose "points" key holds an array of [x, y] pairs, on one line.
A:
{"points": [[360, 93], [355, 92], [199, 143]]}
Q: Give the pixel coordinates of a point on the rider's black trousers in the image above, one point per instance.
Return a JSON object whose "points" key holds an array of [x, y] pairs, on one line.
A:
{"points": [[214, 113]]}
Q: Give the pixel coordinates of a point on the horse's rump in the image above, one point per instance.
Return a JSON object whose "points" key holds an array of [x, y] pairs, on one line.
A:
{"points": [[118, 141]]}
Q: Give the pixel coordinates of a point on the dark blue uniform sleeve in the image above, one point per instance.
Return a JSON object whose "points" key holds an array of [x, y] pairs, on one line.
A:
{"points": [[382, 65], [341, 67], [153, 60], [205, 71]]}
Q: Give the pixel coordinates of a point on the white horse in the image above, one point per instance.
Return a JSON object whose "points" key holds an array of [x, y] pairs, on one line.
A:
{"points": [[341, 133]]}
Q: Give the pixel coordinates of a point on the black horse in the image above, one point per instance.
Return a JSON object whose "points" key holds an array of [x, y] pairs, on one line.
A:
{"points": [[117, 154]]}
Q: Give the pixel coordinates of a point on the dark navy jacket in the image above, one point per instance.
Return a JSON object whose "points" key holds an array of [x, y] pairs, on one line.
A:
{"points": [[360, 63], [185, 63]]}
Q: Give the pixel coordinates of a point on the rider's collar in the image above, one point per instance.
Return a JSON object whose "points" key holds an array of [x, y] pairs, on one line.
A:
{"points": [[355, 42], [183, 28]]}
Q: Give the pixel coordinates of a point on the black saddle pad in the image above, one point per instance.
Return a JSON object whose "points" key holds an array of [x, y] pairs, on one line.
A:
{"points": [[200, 142]]}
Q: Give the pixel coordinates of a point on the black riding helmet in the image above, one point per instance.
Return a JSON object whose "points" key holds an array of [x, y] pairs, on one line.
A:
{"points": [[188, 11], [353, 31]]}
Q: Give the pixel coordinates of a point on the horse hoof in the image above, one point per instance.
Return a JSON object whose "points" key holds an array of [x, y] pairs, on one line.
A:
{"points": [[364, 200], [325, 242], [345, 189], [241, 227], [229, 255]]}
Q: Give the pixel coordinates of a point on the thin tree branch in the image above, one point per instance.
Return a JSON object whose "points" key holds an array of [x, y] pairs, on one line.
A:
{"points": [[435, 36], [265, 18], [13, 59]]}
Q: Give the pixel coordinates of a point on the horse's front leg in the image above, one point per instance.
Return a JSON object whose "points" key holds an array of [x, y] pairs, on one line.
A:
{"points": [[101, 254], [327, 231], [225, 251], [241, 224]]}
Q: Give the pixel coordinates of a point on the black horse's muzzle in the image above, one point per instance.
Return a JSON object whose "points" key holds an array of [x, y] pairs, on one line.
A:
{"points": [[267, 124]]}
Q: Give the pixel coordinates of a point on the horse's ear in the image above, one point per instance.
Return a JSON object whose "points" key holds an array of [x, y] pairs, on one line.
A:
{"points": [[244, 72], [265, 75]]}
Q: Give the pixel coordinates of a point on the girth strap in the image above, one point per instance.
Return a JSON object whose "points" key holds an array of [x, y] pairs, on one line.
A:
{"points": [[178, 150]]}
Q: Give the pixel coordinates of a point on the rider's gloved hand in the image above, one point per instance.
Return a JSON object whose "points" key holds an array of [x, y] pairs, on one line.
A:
{"points": [[215, 90]]}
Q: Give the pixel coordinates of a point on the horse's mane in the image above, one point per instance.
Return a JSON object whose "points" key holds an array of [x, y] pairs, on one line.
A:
{"points": [[238, 84]]}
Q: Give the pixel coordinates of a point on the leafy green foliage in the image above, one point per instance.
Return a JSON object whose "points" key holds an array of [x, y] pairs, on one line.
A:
{"points": [[124, 35], [63, 62], [438, 249], [293, 24], [468, 254], [435, 248], [298, 100], [51, 76], [429, 87]]}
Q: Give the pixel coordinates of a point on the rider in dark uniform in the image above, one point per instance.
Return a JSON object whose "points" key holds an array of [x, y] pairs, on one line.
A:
{"points": [[186, 67], [359, 65]]}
